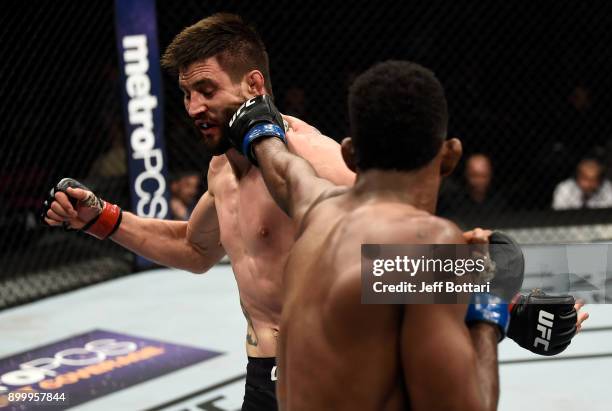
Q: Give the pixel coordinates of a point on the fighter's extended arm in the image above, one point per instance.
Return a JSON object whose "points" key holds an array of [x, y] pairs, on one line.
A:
{"points": [[443, 370], [189, 245], [484, 338], [447, 365], [291, 180], [192, 245], [257, 131]]}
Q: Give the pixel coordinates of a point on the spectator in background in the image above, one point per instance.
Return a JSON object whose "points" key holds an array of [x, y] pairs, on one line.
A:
{"points": [[587, 189], [477, 196], [184, 189], [478, 178], [112, 163], [580, 98], [580, 126]]}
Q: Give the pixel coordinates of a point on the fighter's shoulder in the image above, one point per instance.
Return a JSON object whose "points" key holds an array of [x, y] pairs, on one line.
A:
{"points": [[322, 152], [407, 226], [567, 185], [301, 135], [295, 125], [442, 230]]}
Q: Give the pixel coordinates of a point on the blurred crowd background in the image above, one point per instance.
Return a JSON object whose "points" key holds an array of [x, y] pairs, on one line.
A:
{"points": [[528, 87]]}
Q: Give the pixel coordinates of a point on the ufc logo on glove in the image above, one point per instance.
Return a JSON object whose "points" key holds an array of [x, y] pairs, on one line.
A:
{"points": [[545, 323]]}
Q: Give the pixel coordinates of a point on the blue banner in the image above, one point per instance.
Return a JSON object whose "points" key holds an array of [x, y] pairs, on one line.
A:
{"points": [[85, 367], [136, 29]]}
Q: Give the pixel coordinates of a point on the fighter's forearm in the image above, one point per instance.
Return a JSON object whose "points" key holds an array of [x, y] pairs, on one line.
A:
{"points": [[485, 339], [282, 171], [164, 242]]}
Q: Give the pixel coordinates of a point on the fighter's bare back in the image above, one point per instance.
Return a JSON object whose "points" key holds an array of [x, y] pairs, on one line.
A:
{"points": [[341, 354]]}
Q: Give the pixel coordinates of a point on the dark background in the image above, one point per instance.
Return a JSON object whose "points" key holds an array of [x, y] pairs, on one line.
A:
{"points": [[509, 69]]}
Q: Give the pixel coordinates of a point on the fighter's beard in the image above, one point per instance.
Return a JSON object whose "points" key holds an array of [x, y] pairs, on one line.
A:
{"points": [[222, 145]]}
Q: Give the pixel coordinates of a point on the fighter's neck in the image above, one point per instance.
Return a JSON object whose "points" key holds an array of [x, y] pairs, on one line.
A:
{"points": [[239, 163], [417, 188]]}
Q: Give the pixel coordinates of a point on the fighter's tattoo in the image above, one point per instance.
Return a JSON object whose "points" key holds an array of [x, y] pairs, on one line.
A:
{"points": [[251, 337], [92, 201]]}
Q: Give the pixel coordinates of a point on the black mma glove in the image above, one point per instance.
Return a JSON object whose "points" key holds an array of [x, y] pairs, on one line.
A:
{"points": [[257, 118], [507, 265], [507, 270], [94, 216], [543, 324]]}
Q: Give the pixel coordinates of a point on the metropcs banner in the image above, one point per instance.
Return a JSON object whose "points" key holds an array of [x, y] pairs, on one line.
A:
{"points": [[136, 30]]}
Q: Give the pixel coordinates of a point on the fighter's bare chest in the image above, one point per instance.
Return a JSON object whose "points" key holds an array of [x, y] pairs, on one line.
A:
{"points": [[249, 219]]}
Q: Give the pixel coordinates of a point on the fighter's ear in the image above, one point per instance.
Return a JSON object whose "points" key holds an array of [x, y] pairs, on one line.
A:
{"points": [[348, 153], [254, 82], [450, 155]]}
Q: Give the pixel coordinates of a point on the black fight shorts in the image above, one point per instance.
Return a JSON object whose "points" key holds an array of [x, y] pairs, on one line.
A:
{"points": [[260, 388]]}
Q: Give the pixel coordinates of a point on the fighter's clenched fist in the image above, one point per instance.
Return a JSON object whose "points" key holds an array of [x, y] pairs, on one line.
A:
{"points": [[74, 206]]}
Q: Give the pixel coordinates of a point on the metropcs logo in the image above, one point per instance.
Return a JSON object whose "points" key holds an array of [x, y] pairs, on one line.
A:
{"points": [[90, 365], [151, 203], [37, 370]]}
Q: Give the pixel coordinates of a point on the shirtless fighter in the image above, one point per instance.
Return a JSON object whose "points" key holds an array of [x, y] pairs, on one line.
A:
{"points": [[420, 357], [220, 62]]}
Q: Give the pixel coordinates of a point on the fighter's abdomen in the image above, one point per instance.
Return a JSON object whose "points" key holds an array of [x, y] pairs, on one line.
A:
{"points": [[256, 236]]}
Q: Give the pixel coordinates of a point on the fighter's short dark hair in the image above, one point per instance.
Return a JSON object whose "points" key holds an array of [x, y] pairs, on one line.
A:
{"points": [[398, 116], [237, 46]]}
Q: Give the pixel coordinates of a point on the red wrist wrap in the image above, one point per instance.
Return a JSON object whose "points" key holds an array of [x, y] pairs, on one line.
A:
{"points": [[106, 223]]}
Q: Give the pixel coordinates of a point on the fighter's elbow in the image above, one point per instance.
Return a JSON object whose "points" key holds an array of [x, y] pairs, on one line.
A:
{"points": [[202, 262], [199, 259], [198, 268]]}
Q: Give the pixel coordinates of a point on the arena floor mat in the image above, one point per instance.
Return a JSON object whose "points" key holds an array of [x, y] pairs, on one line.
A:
{"points": [[171, 340]]}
